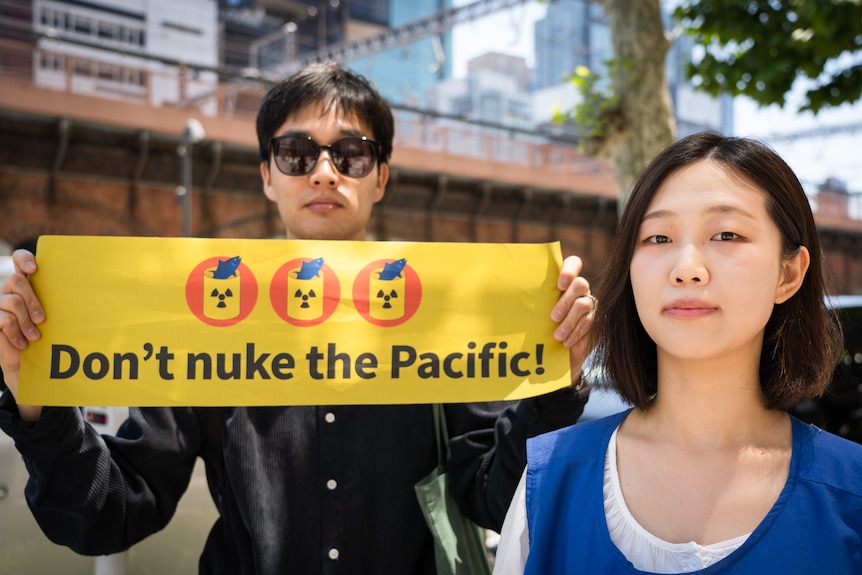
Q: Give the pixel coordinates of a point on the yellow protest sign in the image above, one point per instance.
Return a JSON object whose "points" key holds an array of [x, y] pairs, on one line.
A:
{"points": [[170, 321]]}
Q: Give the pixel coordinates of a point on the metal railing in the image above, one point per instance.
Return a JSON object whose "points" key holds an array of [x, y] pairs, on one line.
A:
{"points": [[156, 83], [131, 79]]}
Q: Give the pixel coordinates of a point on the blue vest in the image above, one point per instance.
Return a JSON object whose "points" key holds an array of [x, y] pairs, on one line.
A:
{"points": [[815, 526]]}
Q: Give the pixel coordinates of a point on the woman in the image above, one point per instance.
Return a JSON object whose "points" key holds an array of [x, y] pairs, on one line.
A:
{"points": [[711, 322]]}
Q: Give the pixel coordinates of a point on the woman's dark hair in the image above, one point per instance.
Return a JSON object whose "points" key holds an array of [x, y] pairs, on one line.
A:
{"points": [[326, 85], [802, 341]]}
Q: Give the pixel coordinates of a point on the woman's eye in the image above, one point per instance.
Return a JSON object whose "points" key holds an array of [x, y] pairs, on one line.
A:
{"points": [[658, 239], [726, 236]]}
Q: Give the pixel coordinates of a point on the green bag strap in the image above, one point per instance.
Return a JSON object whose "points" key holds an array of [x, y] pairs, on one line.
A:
{"points": [[440, 432]]}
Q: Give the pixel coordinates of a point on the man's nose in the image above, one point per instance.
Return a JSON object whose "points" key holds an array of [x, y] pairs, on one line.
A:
{"points": [[324, 172]]}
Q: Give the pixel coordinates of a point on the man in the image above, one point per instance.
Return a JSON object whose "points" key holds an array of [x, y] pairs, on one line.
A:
{"points": [[316, 489]]}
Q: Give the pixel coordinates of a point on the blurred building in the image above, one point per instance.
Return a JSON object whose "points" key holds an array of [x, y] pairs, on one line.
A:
{"points": [[403, 75], [495, 91], [573, 33], [160, 52], [695, 111], [576, 33], [266, 36]]}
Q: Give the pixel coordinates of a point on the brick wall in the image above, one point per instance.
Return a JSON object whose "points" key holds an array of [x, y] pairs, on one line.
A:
{"points": [[32, 203]]}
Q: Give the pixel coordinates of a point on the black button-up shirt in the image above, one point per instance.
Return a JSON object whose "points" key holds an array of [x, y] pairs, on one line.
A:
{"points": [[303, 490]]}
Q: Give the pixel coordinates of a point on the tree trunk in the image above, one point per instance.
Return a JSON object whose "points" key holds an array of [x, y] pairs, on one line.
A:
{"points": [[643, 123]]}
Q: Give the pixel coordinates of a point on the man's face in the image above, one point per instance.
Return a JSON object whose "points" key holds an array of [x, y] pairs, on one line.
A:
{"points": [[324, 204]]}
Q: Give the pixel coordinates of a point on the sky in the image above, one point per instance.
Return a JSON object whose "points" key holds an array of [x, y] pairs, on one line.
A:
{"points": [[814, 159], [506, 31]]}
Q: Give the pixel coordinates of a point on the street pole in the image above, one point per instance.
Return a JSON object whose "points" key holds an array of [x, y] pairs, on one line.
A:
{"points": [[192, 134]]}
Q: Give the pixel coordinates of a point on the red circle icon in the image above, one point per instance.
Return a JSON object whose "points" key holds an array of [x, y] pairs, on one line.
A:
{"points": [[386, 296], [221, 291]]}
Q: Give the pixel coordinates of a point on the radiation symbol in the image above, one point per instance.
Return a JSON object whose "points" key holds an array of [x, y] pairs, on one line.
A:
{"points": [[304, 303], [305, 297], [221, 297], [387, 298], [388, 303]]}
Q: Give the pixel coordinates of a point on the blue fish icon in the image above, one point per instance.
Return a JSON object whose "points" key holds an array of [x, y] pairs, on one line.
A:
{"points": [[226, 268], [392, 270], [310, 269]]}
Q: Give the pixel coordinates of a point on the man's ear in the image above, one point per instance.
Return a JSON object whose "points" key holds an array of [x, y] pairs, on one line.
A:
{"points": [[793, 273], [266, 177], [382, 180]]}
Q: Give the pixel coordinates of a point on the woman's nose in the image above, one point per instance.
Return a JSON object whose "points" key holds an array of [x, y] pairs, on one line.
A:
{"points": [[690, 267]]}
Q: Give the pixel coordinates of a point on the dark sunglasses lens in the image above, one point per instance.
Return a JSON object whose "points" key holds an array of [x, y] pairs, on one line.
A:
{"points": [[354, 157], [296, 156]]}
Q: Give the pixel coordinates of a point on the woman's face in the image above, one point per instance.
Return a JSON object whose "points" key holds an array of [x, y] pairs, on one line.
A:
{"points": [[707, 267]]}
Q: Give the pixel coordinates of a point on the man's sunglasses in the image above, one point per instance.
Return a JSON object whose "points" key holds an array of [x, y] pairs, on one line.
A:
{"points": [[297, 155]]}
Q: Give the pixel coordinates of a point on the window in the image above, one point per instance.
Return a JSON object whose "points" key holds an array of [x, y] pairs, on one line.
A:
{"points": [[82, 67], [52, 18], [462, 105], [107, 72], [53, 62], [105, 30], [133, 77], [133, 36], [108, 31], [83, 25]]}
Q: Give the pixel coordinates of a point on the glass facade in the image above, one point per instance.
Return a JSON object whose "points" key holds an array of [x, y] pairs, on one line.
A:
{"points": [[404, 75], [573, 33], [576, 33], [371, 11]]}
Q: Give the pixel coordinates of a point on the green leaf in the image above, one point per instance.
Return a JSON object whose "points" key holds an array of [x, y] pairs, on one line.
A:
{"points": [[760, 48]]}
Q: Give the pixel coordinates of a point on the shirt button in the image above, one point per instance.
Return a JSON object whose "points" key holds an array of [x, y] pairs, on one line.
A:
{"points": [[331, 485], [329, 417], [333, 553]]}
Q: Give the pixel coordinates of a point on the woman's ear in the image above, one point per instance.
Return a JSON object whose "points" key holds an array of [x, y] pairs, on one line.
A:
{"points": [[793, 273]]}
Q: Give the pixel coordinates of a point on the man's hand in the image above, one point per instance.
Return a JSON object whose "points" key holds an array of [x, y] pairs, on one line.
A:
{"points": [[573, 312], [20, 314]]}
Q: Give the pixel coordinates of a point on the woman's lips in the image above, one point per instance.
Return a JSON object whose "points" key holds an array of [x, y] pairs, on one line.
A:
{"points": [[689, 309]]}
